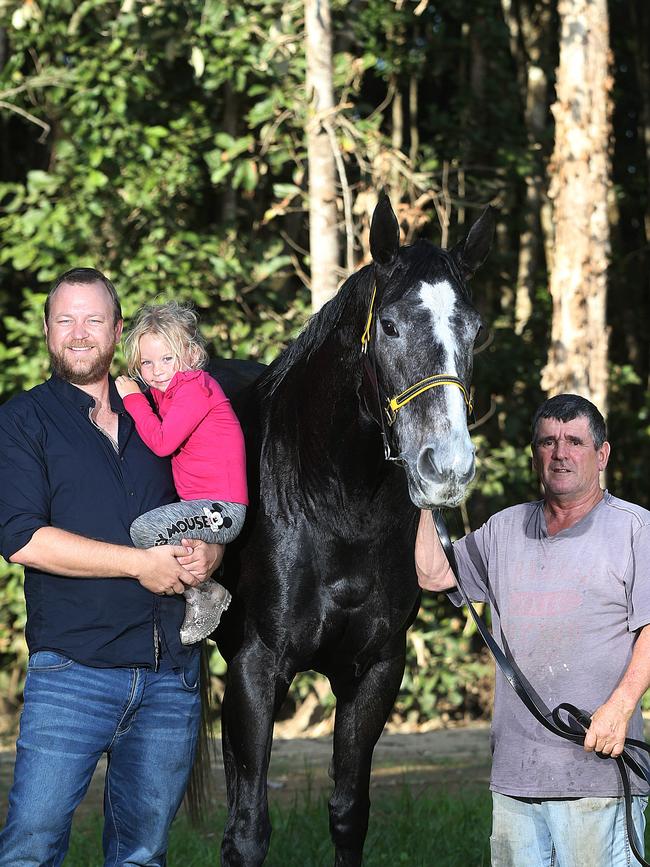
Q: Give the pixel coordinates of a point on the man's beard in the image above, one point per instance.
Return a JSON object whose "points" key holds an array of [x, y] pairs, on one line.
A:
{"points": [[98, 369]]}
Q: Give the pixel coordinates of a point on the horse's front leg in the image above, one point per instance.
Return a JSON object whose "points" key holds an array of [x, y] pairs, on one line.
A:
{"points": [[362, 708], [255, 688]]}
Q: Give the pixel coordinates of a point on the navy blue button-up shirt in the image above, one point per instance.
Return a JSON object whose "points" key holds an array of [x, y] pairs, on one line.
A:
{"points": [[58, 469]]}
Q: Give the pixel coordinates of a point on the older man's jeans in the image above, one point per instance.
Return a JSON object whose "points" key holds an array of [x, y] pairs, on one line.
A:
{"points": [[147, 722], [574, 832]]}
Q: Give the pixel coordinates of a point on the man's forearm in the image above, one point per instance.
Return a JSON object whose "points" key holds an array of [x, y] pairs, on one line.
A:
{"points": [[158, 569], [609, 722], [636, 679], [431, 564], [63, 553]]}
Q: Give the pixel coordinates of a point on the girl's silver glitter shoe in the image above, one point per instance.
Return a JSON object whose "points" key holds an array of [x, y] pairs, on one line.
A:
{"points": [[204, 606]]}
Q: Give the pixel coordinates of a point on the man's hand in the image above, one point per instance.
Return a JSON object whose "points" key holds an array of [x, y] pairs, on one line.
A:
{"points": [[125, 386], [609, 723], [201, 558], [160, 570], [608, 729]]}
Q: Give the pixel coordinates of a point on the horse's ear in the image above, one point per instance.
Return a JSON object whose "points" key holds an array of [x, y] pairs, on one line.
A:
{"points": [[472, 251], [384, 232]]}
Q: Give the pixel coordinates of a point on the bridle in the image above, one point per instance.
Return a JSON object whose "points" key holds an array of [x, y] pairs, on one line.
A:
{"points": [[387, 407], [577, 721]]}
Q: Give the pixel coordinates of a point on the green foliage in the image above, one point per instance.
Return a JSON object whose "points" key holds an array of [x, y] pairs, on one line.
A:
{"points": [[163, 142], [405, 828], [13, 649], [134, 180], [445, 677]]}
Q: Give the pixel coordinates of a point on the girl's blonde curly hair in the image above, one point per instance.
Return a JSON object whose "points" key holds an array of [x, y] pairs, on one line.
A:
{"points": [[176, 323]]}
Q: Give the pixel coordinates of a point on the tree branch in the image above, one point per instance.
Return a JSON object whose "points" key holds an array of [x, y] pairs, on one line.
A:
{"points": [[30, 117]]}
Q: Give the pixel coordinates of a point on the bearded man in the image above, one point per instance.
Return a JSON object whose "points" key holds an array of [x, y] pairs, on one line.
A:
{"points": [[107, 672]]}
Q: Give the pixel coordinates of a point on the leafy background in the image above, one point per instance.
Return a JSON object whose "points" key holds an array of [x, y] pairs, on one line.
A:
{"points": [[163, 142]]}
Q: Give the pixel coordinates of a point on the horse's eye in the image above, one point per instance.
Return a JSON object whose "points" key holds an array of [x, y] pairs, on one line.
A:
{"points": [[388, 328]]}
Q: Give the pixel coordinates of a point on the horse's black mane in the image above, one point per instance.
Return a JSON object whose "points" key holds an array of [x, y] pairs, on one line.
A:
{"points": [[353, 301]]}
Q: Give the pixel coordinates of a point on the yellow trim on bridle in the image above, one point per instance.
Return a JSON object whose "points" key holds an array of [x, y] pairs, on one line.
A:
{"points": [[365, 337], [394, 404]]}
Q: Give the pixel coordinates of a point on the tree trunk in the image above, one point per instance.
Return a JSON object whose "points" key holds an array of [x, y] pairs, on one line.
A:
{"points": [[396, 139], [529, 27], [637, 335], [323, 240], [640, 19], [577, 359]]}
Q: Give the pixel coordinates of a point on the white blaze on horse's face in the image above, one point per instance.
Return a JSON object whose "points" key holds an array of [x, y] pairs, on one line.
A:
{"points": [[444, 465], [437, 333]]}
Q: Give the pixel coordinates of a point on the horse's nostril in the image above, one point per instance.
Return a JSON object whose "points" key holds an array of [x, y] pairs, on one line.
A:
{"points": [[427, 466], [459, 466]]}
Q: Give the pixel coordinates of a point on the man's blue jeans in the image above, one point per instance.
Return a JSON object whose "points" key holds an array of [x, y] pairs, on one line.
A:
{"points": [[576, 832], [147, 722]]}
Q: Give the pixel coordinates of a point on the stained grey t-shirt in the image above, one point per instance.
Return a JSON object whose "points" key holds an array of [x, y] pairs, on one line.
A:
{"points": [[569, 606]]}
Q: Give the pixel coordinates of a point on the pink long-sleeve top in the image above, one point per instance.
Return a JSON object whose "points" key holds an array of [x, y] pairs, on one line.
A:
{"points": [[199, 429]]}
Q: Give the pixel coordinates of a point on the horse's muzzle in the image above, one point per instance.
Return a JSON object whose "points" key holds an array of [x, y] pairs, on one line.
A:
{"points": [[440, 476]]}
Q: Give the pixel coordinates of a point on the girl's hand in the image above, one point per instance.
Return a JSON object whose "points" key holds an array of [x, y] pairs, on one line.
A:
{"points": [[126, 386], [201, 558]]}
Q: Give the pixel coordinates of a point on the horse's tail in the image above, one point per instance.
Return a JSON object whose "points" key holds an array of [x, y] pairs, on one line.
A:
{"points": [[200, 789]]}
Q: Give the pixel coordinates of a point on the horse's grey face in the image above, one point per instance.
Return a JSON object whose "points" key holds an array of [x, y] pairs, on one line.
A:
{"points": [[427, 326], [431, 330]]}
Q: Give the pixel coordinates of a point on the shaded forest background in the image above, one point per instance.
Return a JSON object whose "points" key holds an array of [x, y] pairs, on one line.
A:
{"points": [[164, 143]]}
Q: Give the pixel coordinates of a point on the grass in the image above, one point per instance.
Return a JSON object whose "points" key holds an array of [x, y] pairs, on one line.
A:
{"points": [[405, 829]]}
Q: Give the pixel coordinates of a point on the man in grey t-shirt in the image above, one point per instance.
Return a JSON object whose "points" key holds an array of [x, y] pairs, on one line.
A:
{"points": [[568, 582]]}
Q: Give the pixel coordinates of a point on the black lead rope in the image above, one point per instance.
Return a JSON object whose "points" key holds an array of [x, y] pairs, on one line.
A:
{"points": [[556, 724]]}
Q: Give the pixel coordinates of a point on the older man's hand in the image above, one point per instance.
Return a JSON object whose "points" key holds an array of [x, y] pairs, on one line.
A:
{"points": [[608, 729]]}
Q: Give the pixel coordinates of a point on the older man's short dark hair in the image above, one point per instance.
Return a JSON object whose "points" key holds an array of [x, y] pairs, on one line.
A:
{"points": [[85, 275], [566, 407]]}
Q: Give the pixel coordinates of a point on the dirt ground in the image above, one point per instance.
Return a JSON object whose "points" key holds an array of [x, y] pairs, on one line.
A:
{"points": [[445, 759]]}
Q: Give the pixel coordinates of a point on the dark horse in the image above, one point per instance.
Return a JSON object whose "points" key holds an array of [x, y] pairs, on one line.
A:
{"points": [[323, 575]]}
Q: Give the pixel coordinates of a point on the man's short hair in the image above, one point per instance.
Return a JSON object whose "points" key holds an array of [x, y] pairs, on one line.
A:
{"points": [[566, 407], [85, 275]]}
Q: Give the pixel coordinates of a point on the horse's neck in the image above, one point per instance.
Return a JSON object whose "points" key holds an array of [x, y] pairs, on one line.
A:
{"points": [[314, 417], [325, 389]]}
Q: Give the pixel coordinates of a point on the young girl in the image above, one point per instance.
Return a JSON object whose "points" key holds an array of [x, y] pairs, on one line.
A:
{"points": [[195, 424]]}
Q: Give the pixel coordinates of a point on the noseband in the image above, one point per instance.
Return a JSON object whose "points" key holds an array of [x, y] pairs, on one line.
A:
{"points": [[388, 407], [394, 404]]}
